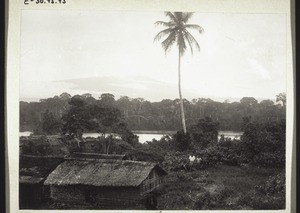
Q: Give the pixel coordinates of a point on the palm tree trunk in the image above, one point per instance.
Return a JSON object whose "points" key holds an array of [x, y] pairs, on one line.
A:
{"points": [[180, 96]]}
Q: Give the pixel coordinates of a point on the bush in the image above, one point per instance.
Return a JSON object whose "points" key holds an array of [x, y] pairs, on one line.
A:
{"points": [[175, 161], [259, 202], [270, 195], [154, 151], [182, 141], [218, 200], [275, 184], [120, 147], [202, 200], [204, 133], [274, 159], [264, 143], [141, 154], [219, 154]]}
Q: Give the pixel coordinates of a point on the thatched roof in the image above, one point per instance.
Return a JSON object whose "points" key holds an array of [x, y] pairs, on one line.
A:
{"points": [[101, 172], [97, 156]]}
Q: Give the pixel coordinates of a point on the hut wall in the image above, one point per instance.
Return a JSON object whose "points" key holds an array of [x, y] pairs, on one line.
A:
{"points": [[153, 181], [30, 195], [118, 197], [70, 194], [103, 197]]}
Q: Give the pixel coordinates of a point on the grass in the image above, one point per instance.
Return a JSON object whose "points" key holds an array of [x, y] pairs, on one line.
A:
{"points": [[218, 187]]}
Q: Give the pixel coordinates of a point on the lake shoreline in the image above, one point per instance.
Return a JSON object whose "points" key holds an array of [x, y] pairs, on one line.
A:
{"points": [[153, 132]]}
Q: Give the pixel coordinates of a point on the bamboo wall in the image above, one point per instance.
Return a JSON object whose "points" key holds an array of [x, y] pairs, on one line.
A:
{"points": [[153, 181], [102, 197], [69, 194], [119, 198]]}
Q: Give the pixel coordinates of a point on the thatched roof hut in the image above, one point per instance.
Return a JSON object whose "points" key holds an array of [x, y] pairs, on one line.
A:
{"points": [[107, 183], [102, 172]]}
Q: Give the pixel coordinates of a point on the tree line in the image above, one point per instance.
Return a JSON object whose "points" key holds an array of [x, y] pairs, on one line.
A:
{"points": [[140, 114]]}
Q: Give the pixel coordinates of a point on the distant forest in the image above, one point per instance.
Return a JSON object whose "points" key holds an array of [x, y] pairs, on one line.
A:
{"points": [[140, 114]]}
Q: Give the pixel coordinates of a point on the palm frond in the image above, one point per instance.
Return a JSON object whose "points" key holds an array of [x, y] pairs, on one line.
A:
{"points": [[186, 16], [171, 16], [189, 40], [162, 33], [169, 41], [165, 24], [178, 16], [192, 39], [196, 27]]}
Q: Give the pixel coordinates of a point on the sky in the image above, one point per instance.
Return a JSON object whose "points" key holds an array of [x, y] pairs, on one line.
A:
{"points": [[241, 55]]}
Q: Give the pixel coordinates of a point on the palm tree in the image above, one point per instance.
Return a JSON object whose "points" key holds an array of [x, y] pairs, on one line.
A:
{"points": [[177, 32]]}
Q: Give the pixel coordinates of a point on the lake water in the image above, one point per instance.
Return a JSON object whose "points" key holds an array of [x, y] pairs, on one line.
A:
{"points": [[230, 134], [148, 136], [143, 137], [27, 133]]}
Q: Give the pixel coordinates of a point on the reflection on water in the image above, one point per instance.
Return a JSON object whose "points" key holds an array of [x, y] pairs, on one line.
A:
{"points": [[96, 135], [142, 137], [230, 134], [149, 137], [157, 136]]}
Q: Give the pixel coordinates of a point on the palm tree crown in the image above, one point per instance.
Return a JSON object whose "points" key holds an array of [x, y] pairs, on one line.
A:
{"points": [[177, 32]]}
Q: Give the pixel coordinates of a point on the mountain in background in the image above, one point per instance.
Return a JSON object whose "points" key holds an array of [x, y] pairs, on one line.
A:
{"points": [[132, 86]]}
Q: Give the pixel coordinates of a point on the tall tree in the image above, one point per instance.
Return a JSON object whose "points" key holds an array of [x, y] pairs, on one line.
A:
{"points": [[177, 32], [281, 97], [50, 124], [77, 118]]}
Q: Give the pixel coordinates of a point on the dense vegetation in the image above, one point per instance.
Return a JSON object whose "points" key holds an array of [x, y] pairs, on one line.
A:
{"points": [[140, 114], [227, 174]]}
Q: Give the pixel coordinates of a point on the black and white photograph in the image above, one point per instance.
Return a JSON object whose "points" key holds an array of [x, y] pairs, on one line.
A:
{"points": [[152, 110]]}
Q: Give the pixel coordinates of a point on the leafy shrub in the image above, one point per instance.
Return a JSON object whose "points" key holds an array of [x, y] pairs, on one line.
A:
{"points": [[263, 202], [182, 141], [154, 151], [204, 133], [218, 200], [145, 154], [273, 159], [264, 143], [219, 154], [203, 200], [275, 184], [180, 160], [120, 147], [270, 195], [175, 161]]}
